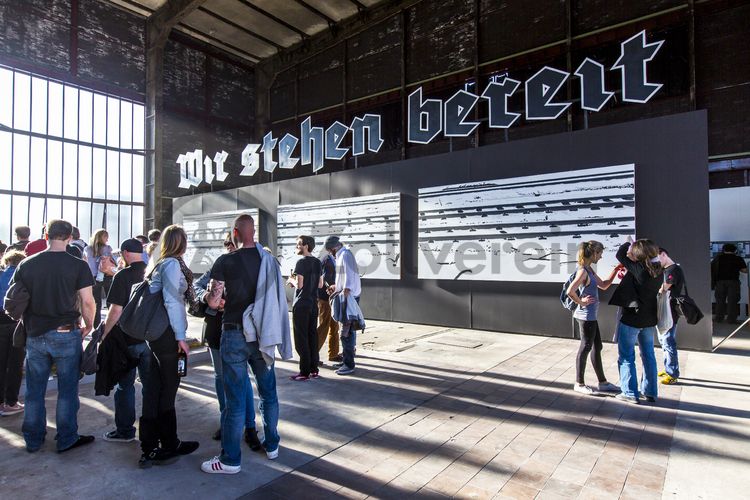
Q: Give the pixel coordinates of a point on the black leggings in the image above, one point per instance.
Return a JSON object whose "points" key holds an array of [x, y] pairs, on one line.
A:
{"points": [[591, 341], [159, 421]]}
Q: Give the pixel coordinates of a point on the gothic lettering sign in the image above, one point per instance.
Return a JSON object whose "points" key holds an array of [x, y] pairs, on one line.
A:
{"points": [[429, 118]]}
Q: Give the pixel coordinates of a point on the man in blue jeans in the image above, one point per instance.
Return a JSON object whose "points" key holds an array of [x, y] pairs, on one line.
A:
{"points": [[235, 277], [350, 285], [55, 281], [119, 294]]}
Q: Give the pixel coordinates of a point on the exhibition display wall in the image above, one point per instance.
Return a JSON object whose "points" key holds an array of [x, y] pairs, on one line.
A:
{"points": [[206, 235], [370, 226], [524, 228], [668, 155]]}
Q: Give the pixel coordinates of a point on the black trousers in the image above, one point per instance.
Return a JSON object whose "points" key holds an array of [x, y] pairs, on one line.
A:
{"points": [[98, 291], [11, 365], [591, 343], [158, 424], [727, 294], [305, 319]]}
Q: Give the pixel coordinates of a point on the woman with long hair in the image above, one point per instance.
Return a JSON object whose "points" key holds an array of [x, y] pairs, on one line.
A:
{"points": [[98, 255], [636, 295], [586, 314], [158, 425]]}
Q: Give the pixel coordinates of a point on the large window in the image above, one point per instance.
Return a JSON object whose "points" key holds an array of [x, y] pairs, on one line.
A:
{"points": [[68, 152]]}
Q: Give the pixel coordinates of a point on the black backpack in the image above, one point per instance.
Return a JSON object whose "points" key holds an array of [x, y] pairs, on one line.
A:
{"points": [[144, 317], [565, 299]]}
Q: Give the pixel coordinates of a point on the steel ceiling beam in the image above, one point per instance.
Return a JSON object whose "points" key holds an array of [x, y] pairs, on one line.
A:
{"points": [[236, 26], [315, 11], [273, 18], [360, 6], [219, 42]]}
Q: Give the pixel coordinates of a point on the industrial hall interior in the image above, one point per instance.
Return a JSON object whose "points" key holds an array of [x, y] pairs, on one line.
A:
{"points": [[349, 249]]}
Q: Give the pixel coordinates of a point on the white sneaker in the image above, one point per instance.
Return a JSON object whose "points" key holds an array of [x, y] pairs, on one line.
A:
{"points": [[608, 387], [583, 389], [272, 455], [214, 466]]}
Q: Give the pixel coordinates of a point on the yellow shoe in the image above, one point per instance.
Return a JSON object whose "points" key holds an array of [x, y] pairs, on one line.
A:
{"points": [[662, 373], [668, 380]]}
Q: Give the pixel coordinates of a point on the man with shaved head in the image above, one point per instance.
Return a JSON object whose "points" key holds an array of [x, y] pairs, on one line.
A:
{"points": [[235, 277]]}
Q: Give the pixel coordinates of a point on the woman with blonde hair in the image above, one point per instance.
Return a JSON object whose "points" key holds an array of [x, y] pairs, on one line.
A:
{"points": [[158, 425], [584, 291], [98, 255], [636, 295]]}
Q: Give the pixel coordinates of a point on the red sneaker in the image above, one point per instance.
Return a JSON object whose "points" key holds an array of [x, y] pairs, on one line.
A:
{"points": [[299, 377]]}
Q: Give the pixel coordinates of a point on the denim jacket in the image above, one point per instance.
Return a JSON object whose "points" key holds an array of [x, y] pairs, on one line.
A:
{"points": [[169, 279]]}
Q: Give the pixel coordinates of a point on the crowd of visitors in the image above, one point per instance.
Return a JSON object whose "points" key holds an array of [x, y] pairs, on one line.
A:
{"points": [[54, 298], [54, 293]]}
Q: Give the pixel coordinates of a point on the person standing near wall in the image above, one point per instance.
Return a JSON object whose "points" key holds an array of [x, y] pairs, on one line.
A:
{"points": [[725, 281], [153, 242], [23, 233], [586, 314], [57, 282], [636, 294], [349, 284], [674, 281], [158, 426], [99, 258], [118, 297], [11, 357], [212, 337], [327, 326], [306, 280], [249, 279]]}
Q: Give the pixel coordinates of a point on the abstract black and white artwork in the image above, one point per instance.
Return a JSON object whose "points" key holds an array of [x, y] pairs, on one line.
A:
{"points": [[524, 228], [206, 235], [370, 226]]}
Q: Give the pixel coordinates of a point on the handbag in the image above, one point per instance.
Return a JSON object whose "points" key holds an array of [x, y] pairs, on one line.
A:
{"points": [[144, 317], [664, 311], [685, 306]]}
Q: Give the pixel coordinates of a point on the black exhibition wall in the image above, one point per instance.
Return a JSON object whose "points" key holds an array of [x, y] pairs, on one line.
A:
{"points": [[669, 154]]}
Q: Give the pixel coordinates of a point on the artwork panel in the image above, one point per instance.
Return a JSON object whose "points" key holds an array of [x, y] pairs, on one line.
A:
{"points": [[206, 234], [370, 226], [524, 228]]}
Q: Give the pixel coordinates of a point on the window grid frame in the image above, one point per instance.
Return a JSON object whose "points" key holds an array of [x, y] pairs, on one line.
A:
{"points": [[115, 204]]}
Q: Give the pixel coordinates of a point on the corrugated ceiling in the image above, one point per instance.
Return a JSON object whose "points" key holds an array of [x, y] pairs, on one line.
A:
{"points": [[256, 29]]}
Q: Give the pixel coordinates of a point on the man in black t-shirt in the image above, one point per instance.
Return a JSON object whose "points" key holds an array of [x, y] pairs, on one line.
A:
{"points": [[234, 277], [56, 281], [725, 280], [119, 294], [306, 280], [674, 281]]}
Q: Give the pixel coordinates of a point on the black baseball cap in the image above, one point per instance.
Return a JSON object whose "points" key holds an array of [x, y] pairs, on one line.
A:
{"points": [[131, 245]]}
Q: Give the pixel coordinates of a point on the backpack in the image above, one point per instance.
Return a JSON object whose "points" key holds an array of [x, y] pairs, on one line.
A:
{"points": [[565, 299], [144, 317]]}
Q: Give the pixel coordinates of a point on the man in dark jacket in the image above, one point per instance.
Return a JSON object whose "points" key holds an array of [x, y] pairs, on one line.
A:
{"points": [[137, 350], [725, 280]]}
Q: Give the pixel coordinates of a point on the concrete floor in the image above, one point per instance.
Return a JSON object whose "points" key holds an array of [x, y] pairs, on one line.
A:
{"points": [[432, 412]]}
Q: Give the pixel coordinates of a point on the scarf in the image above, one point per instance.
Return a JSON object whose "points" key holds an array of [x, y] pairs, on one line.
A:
{"points": [[190, 299]]}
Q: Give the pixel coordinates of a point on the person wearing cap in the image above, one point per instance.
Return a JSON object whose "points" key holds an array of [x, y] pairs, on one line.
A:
{"points": [[119, 294], [349, 285]]}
